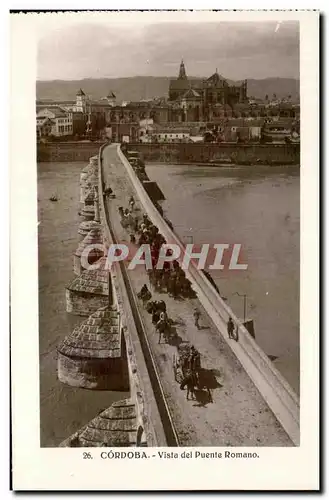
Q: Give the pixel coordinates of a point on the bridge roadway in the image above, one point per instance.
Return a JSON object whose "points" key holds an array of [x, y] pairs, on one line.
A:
{"points": [[237, 415]]}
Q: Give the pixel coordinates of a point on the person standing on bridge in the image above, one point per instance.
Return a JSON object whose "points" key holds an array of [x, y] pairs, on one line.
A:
{"points": [[196, 315], [131, 203], [108, 191], [230, 328]]}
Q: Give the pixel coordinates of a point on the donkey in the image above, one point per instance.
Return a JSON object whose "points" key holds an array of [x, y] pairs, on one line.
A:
{"points": [[189, 382]]}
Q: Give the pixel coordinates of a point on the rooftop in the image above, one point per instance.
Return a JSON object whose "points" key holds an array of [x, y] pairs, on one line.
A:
{"points": [[216, 78], [181, 84], [243, 122], [191, 93], [45, 120], [51, 102], [57, 111]]}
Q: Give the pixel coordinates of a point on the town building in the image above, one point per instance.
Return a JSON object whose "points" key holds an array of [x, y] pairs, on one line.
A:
{"points": [[194, 107], [277, 131], [84, 104], [146, 130], [197, 97], [170, 134], [54, 121], [45, 127]]}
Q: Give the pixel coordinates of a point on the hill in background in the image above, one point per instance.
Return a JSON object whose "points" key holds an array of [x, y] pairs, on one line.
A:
{"points": [[148, 87]]}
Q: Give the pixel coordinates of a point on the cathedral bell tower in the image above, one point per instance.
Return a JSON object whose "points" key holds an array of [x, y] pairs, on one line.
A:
{"points": [[182, 72]]}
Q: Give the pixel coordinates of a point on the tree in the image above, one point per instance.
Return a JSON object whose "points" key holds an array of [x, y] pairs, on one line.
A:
{"points": [[266, 97]]}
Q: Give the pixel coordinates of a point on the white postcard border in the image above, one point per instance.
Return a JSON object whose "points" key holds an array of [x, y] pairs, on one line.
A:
{"points": [[38, 468]]}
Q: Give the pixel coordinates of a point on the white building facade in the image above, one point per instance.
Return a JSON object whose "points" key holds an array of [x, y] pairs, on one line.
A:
{"points": [[171, 135], [61, 121]]}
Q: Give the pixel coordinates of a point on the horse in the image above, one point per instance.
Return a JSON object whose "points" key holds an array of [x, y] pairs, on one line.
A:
{"points": [[206, 381], [145, 295], [150, 307], [162, 306], [190, 382]]}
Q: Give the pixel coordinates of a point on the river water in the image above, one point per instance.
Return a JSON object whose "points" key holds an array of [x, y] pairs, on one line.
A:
{"points": [[257, 207], [63, 409]]}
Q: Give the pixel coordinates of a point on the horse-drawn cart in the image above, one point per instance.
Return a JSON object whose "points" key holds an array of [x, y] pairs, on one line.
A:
{"points": [[185, 362], [181, 362]]}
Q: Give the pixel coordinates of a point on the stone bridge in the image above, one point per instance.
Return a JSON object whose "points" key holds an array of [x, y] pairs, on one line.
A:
{"points": [[248, 402]]}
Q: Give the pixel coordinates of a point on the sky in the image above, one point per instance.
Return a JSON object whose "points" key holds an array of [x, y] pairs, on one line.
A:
{"points": [[72, 49]]}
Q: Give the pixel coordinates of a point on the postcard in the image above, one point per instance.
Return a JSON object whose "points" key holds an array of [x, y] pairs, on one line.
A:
{"points": [[165, 284]]}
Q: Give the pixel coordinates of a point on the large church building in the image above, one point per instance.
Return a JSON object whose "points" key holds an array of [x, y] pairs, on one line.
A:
{"points": [[199, 97]]}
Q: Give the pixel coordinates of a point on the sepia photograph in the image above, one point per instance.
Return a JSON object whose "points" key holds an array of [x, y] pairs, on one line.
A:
{"points": [[169, 213]]}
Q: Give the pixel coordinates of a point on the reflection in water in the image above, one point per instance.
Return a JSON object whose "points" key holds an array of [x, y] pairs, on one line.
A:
{"points": [[259, 208]]}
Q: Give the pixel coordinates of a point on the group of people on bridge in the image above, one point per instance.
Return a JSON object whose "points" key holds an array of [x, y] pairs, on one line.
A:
{"points": [[171, 278]]}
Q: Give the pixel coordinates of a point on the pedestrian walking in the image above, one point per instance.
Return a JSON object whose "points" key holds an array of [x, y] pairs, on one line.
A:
{"points": [[197, 315], [230, 328], [131, 203]]}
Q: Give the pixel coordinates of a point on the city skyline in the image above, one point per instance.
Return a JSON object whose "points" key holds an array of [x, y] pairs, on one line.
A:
{"points": [[238, 51]]}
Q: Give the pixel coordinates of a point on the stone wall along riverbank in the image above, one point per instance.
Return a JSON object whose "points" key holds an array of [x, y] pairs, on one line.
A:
{"points": [[249, 154], [243, 154], [67, 151]]}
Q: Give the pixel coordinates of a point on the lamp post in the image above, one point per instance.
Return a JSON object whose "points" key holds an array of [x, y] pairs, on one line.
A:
{"points": [[189, 237], [244, 295]]}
